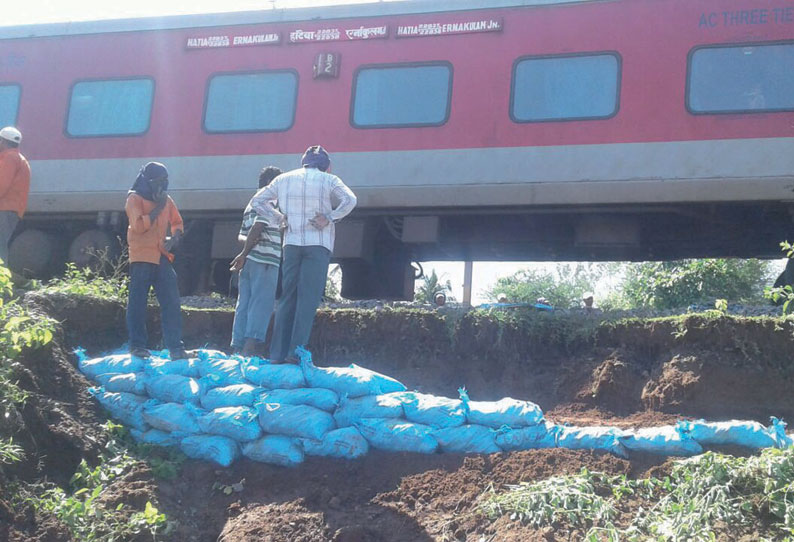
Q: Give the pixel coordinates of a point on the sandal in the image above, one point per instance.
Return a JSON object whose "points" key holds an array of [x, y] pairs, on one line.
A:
{"points": [[141, 353], [179, 353]]}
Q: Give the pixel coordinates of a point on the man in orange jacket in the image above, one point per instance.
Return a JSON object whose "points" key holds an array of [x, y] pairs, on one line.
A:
{"points": [[151, 212], [14, 186]]}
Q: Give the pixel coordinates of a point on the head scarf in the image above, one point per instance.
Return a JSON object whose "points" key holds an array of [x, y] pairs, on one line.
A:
{"points": [[316, 157], [152, 170]]}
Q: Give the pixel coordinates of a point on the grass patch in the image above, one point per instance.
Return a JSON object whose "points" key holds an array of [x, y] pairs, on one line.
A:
{"points": [[701, 495]]}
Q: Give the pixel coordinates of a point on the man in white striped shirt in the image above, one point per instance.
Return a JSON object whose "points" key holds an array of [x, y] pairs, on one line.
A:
{"points": [[308, 203]]}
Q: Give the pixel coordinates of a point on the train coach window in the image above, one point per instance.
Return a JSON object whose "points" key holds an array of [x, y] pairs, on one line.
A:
{"points": [[741, 79], [9, 104], [112, 107], [401, 95], [251, 102], [569, 87]]}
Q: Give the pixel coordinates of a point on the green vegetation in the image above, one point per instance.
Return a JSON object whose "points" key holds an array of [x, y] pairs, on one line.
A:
{"points": [[105, 278], [701, 496], [783, 295], [563, 288], [10, 452], [19, 329], [83, 508], [430, 286]]}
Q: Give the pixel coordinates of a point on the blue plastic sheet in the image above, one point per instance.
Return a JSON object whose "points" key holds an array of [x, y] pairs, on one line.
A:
{"points": [[269, 376], [591, 438], [352, 381], [507, 411], [397, 435], [126, 382], [172, 417], [157, 437], [221, 450], [184, 367], [666, 440], [535, 437], [295, 420], [239, 423], [174, 388], [124, 407], [320, 398], [346, 443], [234, 395], [115, 363], [435, 411], [387, 405], [275, 449], [739, 433], [467, 439]]}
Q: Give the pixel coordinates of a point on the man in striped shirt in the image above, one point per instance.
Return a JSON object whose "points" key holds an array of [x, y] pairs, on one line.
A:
{"points": [[309, 200], [258, 264]]}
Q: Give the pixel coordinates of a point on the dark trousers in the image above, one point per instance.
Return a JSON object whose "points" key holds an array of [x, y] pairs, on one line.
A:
{"points": [[304, 271], [143, 276]]}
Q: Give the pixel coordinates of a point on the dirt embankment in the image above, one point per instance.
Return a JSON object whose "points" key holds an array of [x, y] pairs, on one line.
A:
{"points": [[578, 370]]}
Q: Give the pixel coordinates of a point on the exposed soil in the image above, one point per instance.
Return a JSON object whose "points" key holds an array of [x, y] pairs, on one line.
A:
{"points": [[634, 373]]}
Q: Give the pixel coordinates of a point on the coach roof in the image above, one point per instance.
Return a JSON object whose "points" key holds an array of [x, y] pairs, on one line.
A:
{"points": [[320, 13]]}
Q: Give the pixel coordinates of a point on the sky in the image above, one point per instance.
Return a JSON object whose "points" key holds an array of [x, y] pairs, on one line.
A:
{"points": [[52, 11]]}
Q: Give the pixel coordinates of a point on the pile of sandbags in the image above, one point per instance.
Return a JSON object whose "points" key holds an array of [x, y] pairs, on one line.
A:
{"points": [[218, 407]]}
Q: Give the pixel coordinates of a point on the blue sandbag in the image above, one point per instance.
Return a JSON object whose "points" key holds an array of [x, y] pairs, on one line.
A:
{"points": [[467, 439], [124, 407], [397, 435], [221, 450], [172, 417], [740, 433], [220, 372], [269, 376], [387, 405], [507, 411], [234, 395], [174, 388], [115, 363], [239, 423], [591, 438], [346, 443], [320, 398], [126, 382], [435, 411], [665, 440], [184, 367], [157, 437], [535, 437], [353, 381], [295, 420], [275, 449]]}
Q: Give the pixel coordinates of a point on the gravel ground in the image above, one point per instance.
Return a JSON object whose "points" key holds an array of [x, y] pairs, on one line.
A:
{"points": [[216, 301]]}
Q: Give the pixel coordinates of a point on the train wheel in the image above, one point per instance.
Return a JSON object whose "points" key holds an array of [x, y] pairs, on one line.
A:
{"points": [[35, 253], [86, 247]]}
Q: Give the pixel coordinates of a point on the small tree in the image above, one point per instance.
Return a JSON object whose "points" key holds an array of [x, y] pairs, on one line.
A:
{"points": [[674, 284], [563, 288], [430, 286], [782, 293]]}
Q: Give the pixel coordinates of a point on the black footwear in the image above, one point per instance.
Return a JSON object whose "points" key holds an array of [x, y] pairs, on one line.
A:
{"points": [[141, 353], [179, 353]]}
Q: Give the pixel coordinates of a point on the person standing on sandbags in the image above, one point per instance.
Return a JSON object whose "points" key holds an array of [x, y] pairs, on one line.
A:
{"points": [[14, 186], [258, 265], [151, 213], [309, 200]]}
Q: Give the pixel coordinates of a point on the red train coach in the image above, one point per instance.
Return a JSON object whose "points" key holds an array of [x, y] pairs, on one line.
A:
{"points": [[499, 130]]}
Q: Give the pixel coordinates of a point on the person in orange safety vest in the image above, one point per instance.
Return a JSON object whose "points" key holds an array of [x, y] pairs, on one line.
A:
{"points": [[14, 186]]}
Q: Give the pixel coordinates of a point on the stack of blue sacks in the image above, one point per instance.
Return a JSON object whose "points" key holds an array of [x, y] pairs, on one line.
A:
{"points": [[218, 407]]}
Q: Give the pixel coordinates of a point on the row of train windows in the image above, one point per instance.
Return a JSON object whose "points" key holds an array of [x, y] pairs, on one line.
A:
{"points": [[723, 79]]}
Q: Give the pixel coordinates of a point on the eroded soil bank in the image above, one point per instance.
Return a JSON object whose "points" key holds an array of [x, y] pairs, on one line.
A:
{"points": [[577, 368]]}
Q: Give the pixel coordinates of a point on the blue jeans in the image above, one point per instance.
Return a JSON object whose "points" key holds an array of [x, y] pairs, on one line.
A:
{"points": [[144, 275], [304, 271], [256, 294]]}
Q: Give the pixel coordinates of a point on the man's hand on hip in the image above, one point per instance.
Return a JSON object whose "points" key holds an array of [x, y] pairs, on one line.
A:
{"points": [[320, 221]]}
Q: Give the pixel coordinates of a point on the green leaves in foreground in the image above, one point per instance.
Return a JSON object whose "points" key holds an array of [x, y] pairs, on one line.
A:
{"points": [[700, 494]]}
